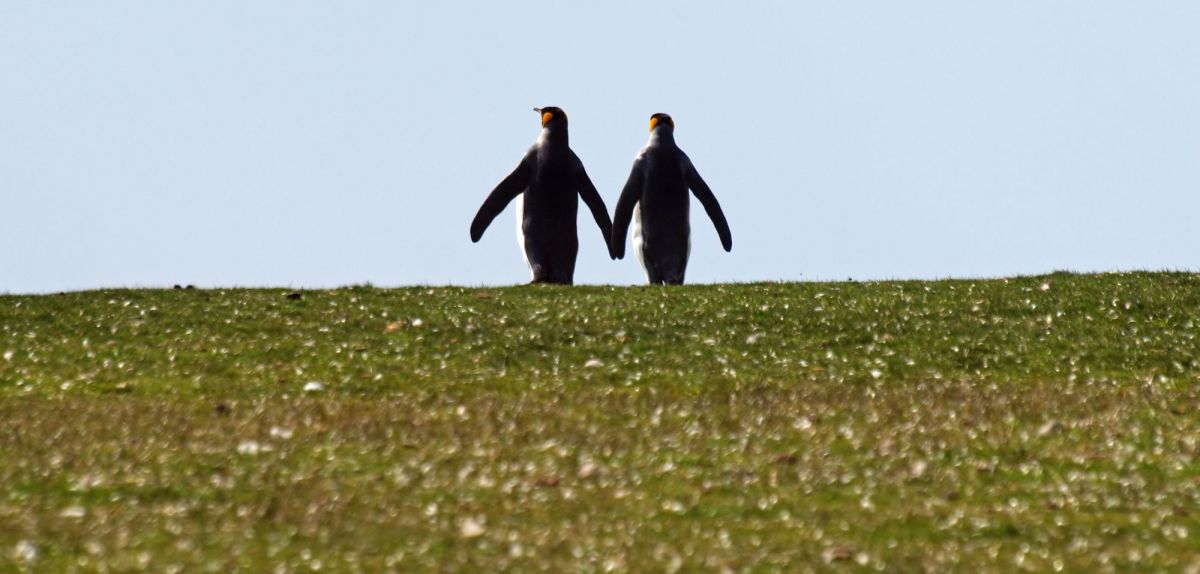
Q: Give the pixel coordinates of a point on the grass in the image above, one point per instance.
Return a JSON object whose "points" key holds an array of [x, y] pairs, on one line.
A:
{"points": [[1038, 423]]}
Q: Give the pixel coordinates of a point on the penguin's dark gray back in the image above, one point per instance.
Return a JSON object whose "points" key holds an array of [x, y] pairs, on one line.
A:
{"points": [[665, 194], [552, 191]]}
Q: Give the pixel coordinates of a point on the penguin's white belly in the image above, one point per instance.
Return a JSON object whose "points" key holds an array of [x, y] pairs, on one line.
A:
{"points": [[637, 238], [521, 231]]}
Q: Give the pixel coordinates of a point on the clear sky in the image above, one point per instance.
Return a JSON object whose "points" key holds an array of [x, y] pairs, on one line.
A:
{"points": [[310, 144]]}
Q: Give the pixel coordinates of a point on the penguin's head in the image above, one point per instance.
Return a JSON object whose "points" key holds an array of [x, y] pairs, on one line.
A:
{"points": [[552, 115], [659, 120]]}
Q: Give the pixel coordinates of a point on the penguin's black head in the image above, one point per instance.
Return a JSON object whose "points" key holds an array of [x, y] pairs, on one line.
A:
{"points": [[552, 115], [661, 119]]}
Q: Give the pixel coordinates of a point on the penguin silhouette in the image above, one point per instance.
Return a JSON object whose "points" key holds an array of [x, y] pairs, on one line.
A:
{"points": [[656, 199], [547, 185]]}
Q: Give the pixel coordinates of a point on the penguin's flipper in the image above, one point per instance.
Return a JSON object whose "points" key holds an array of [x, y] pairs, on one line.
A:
{"points": [[709, 201], [508, 189], [630, 195], [587, 190]]}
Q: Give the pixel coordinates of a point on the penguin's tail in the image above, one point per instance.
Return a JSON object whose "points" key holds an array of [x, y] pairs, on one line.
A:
{"points": [[672, 271]]}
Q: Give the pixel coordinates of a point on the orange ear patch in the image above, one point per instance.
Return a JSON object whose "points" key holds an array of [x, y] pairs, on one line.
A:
{"points": [[653, 122], [546, 117]]}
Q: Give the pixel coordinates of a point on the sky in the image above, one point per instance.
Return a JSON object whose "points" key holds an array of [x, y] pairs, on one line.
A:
{"points": [[317, 144]]}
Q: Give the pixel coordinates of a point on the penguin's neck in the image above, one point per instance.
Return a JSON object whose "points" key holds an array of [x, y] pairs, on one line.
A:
{"points": [[555, 134], [662, 136]]}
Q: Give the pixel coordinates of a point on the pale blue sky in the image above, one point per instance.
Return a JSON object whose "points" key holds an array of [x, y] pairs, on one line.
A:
{"points": [[322, 144]]}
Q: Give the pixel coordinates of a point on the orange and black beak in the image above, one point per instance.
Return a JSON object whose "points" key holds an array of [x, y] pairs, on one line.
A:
{"points": [[546, 116]]}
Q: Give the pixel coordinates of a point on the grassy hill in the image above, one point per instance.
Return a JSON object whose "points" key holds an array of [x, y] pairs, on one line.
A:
{"points": [[1036, 423]]}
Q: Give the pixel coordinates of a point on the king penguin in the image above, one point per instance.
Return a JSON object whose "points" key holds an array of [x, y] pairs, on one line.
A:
{"points": [[656, 198], [547, 185]]}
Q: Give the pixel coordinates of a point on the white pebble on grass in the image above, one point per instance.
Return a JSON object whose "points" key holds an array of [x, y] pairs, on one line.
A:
{"points": [[470, 528], [73, 512], [314, 387], [588, 470], [1050, 427], [252, 447], [917, 468], [25, 551], [281, 433], [593, 363]]}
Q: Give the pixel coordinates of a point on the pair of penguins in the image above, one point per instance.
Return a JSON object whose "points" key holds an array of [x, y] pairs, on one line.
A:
{"points": [[549, 180]]}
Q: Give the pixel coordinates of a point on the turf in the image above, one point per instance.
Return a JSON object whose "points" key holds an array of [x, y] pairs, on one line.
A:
{"points": [[1035, 423]]}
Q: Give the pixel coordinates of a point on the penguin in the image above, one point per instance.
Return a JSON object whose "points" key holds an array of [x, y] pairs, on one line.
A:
{"points": [[656, 198], [547, 185]]}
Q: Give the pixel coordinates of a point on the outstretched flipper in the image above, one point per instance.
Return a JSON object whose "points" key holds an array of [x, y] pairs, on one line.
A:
{"points": [[630, 196], [509, 188], [709, 201], [592, 198]]}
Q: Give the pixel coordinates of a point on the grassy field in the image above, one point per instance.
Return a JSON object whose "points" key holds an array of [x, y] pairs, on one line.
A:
{"points": [[1039, 423]]}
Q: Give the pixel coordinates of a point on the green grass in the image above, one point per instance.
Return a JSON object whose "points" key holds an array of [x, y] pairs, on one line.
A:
{"points": [[1036, 423]]}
